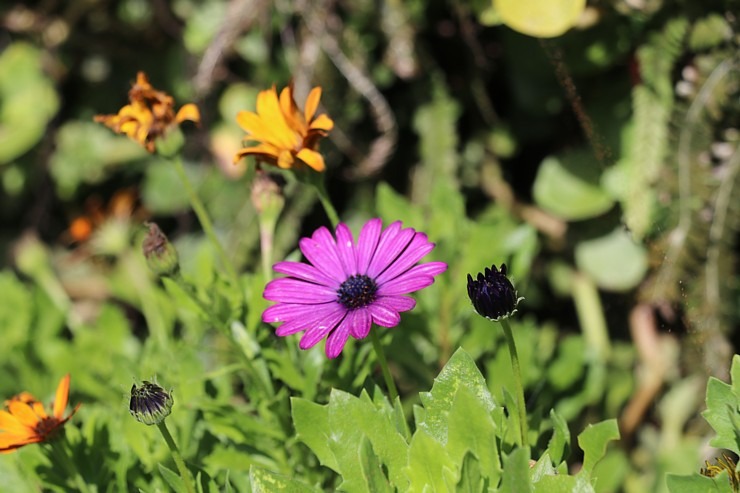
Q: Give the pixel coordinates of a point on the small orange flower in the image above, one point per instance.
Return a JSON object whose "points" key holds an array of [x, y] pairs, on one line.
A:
{"points": [[24, 421], [150, 114], [286, 136]]}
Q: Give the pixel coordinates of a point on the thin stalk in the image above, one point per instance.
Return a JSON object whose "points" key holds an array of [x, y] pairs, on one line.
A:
{"points": [[205, 221], [392, 391], [187, 478], [331, 212], [267, 237], [62, 457], [517, 382]]}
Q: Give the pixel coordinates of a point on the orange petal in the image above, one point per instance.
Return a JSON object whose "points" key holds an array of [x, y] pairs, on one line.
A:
{"points": [[23, 413], [9, 424], [188, 112], [312, 103], [61, 397], [322, 122], [312, 158], [8, 442]]}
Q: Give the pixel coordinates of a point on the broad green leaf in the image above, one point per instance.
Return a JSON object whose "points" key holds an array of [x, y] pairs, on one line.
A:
{"points": [[516, 472], [722, 410], [540, 18], [568, 186], [615, 262], [264, 481], [562, 483], [696, 483], [311, 423], [471, 479], [430, 468], [594, 440], [460, 371], [372, 469]]}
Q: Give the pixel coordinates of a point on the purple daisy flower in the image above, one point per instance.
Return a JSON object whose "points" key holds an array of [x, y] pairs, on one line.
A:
{"points": [[349, 286]]}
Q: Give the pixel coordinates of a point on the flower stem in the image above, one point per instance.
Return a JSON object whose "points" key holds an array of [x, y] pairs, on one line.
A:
{"points": [[205, 221], [392, 391], [62, 457], [331, 212], [517, 382], [187, 478]]}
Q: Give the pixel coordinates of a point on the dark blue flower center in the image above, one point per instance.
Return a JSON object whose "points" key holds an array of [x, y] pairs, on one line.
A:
{"points": [[357, 291]]}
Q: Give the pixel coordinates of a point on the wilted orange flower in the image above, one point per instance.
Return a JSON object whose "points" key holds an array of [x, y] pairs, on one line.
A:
{"points": [[24, 421], [285, 135], [122, 207], [150, 114]]}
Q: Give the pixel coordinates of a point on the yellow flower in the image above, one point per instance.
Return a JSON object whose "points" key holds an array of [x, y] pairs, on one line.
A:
{"points": [[287, 138], [24, 421], [149, 115]]}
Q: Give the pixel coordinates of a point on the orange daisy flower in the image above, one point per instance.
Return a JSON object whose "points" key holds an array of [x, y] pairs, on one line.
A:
{"points": [[149, 115], [24, 421], [287, 138]]}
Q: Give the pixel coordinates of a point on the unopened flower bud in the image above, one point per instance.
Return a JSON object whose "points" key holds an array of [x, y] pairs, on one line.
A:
{"points": [[492, 294], [267, 195], [161, 256], [150, 404]]}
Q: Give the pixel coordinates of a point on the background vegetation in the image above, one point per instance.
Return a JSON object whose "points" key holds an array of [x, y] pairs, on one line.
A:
{"points": [[601, 165]]}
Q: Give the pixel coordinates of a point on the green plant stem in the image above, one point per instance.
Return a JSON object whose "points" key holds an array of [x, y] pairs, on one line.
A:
{"points": [[62, 457], [205, 221], [267, 237], [392, 391], [187, 478], [517, 382], [331, 212]]}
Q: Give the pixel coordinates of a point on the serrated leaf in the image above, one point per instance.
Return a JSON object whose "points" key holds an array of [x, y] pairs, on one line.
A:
{"points": [[722, 407], [561, 483], [696, 483], [559, 445], [594, 440], [430, 468], [471, 479], [311, 423], [264, 481], [460, 371], [516, 472], [372, 469], [540, 18]]}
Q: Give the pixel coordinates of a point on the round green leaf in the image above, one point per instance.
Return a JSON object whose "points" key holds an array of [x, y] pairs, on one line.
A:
{"points": [[614, 261]]}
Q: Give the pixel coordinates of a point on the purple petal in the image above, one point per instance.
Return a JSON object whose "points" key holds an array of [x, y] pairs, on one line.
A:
{"points": [[346, 249], [289, 290], [285, 312], [384, 316], [359, 322], [405, 284], [418, 247], [323, 254], [307, 323], [367, 243], [398, 303], [318, 331], [392, 242], [337, 339], [305, 272]]}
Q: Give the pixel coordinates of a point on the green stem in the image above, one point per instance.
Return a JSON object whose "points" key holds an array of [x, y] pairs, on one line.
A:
{"points": [[392, 391], [63, 458], [517, 382], [267, 237], [205, 221], [331, 212], [187, 478]]}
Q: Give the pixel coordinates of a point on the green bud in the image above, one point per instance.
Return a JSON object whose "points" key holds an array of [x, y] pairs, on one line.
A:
{"points": [[161, 256], [169, 144], [267, 196], [150, 404]]}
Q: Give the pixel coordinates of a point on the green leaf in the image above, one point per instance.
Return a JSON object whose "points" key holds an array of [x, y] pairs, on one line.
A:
{"points": [[540, 18], [559, 445], [311, 423], [264, 481], [516, 472], [372, 469], [173, 479], [722, 409], [593, 441], [460, 371], [696, 483], [393, 206], [430, 468], [562, 483], [614, 262], [569, 187], [471, 479]]}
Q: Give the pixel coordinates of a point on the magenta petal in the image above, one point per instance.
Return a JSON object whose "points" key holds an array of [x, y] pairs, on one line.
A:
{"points": [[398, 303], [317, 332], [294, 291], [367, 243], [309, 321], [305, 272], [417, 249], [384, 316], [346, 249], [359, 322], [392, 242], [323, 256], [284, 312], [337, 339], [405, 284]]}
